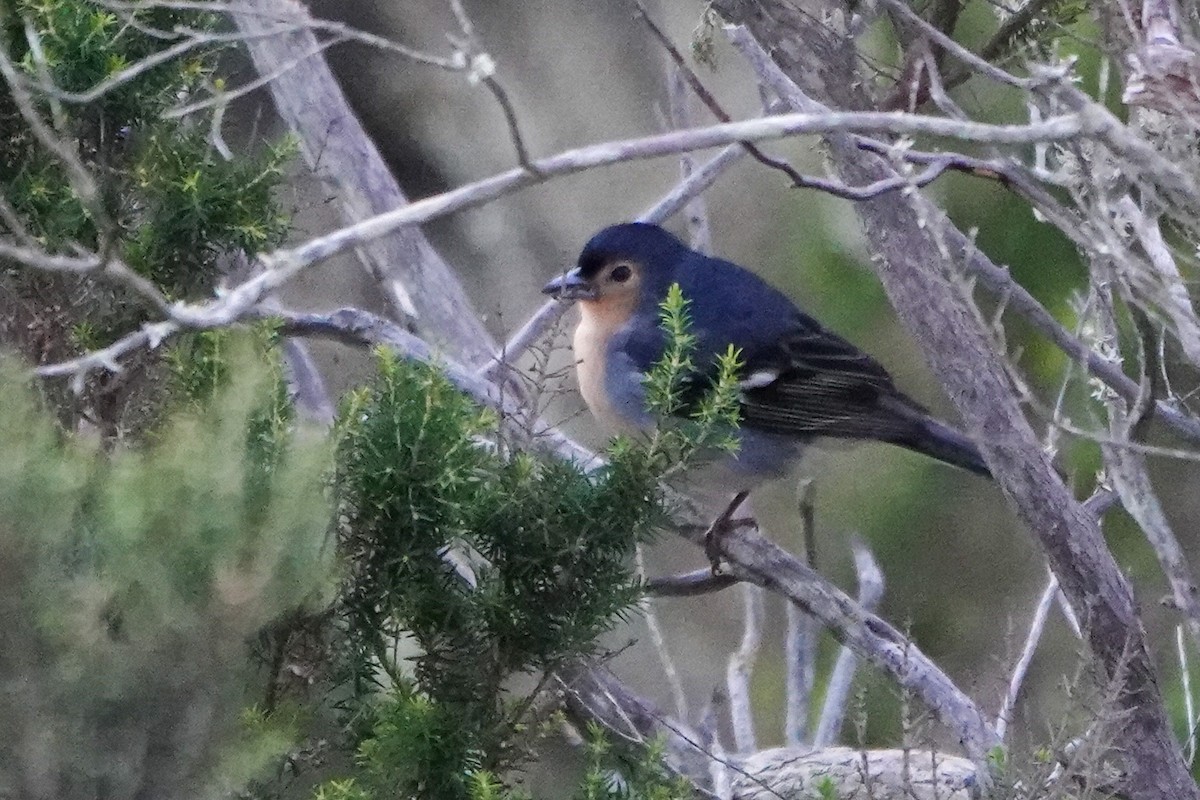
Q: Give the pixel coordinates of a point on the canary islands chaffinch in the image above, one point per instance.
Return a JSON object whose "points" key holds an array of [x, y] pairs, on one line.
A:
{"points": [[799, 381]]}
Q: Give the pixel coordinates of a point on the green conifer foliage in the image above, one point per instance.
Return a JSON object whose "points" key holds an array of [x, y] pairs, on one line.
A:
{"points": [[494, 564], [170, 205], [176, 202], [133, 582], [471, 563]]}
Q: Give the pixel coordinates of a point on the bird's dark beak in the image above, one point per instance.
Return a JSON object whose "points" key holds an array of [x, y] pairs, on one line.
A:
{"points": [[571, 286]]}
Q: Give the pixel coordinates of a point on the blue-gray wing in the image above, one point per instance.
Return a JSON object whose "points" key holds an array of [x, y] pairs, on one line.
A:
{"points": [[798, 377]]}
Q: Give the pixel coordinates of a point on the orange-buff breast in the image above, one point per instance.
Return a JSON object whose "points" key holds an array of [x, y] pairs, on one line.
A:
{"points": [[598, 321]]}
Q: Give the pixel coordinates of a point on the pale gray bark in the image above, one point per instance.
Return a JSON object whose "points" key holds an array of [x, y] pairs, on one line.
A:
{"points": [[916, 268]]}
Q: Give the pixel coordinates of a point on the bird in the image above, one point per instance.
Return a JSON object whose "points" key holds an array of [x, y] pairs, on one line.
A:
{"points": [[798, 381]]}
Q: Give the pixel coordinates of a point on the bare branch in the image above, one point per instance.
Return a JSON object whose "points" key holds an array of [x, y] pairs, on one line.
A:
{"points": [[751, 556], [659, 640], [16, 226], [510, 118], [308, 387], [690, 584], [337, 29], [699, 231], [977, 64], [1172, 294], [1189, 702], [799, 653], [1034, 636], [150, 335], [593, 695], [710, 739], [741, 665], [800, 644], [481, 68], [416, 282], [227, 96], [1127, 468], [688, 76], [837, 693]]}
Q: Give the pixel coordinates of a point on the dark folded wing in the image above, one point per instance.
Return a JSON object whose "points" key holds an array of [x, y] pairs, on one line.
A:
{"points": [[815, 383], [798, 379]]}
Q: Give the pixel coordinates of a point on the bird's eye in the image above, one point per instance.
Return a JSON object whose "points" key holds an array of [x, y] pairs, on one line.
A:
{"points": [[621, 273]]}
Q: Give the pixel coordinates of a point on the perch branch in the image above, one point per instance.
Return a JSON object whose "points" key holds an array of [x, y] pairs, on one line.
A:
{"points": [[750, 556]]}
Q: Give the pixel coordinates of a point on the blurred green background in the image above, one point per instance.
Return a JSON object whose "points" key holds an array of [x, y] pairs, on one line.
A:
{"points": [[962, 576]]}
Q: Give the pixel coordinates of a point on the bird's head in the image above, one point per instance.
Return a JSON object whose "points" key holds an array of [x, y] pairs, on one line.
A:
{"points": [[623, 265]]}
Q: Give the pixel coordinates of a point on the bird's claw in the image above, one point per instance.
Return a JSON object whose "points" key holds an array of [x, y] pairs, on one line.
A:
{"points": [[719, 527], [712, 547]]}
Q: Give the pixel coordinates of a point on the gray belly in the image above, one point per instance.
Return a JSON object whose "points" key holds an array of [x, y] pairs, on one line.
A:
{"points": [[761, 457]]}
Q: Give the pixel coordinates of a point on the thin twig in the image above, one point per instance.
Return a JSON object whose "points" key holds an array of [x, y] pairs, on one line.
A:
{"points": [[995, 46], [693, 81], [699, 230], [143, 65], [481, 68], [740, 667], [227, 96], [510, 119], [1034, 636], [841, 680], [947, 44], [835, 188], [660, 642], [800, 644], [338, 29], [1189, 702], [710, 737]]}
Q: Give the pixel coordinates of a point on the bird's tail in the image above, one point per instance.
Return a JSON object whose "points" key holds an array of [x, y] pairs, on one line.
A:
{"points": [[932, 438]]}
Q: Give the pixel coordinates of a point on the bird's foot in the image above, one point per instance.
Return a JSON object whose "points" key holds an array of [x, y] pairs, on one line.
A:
{"points": [[719, 527]]}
